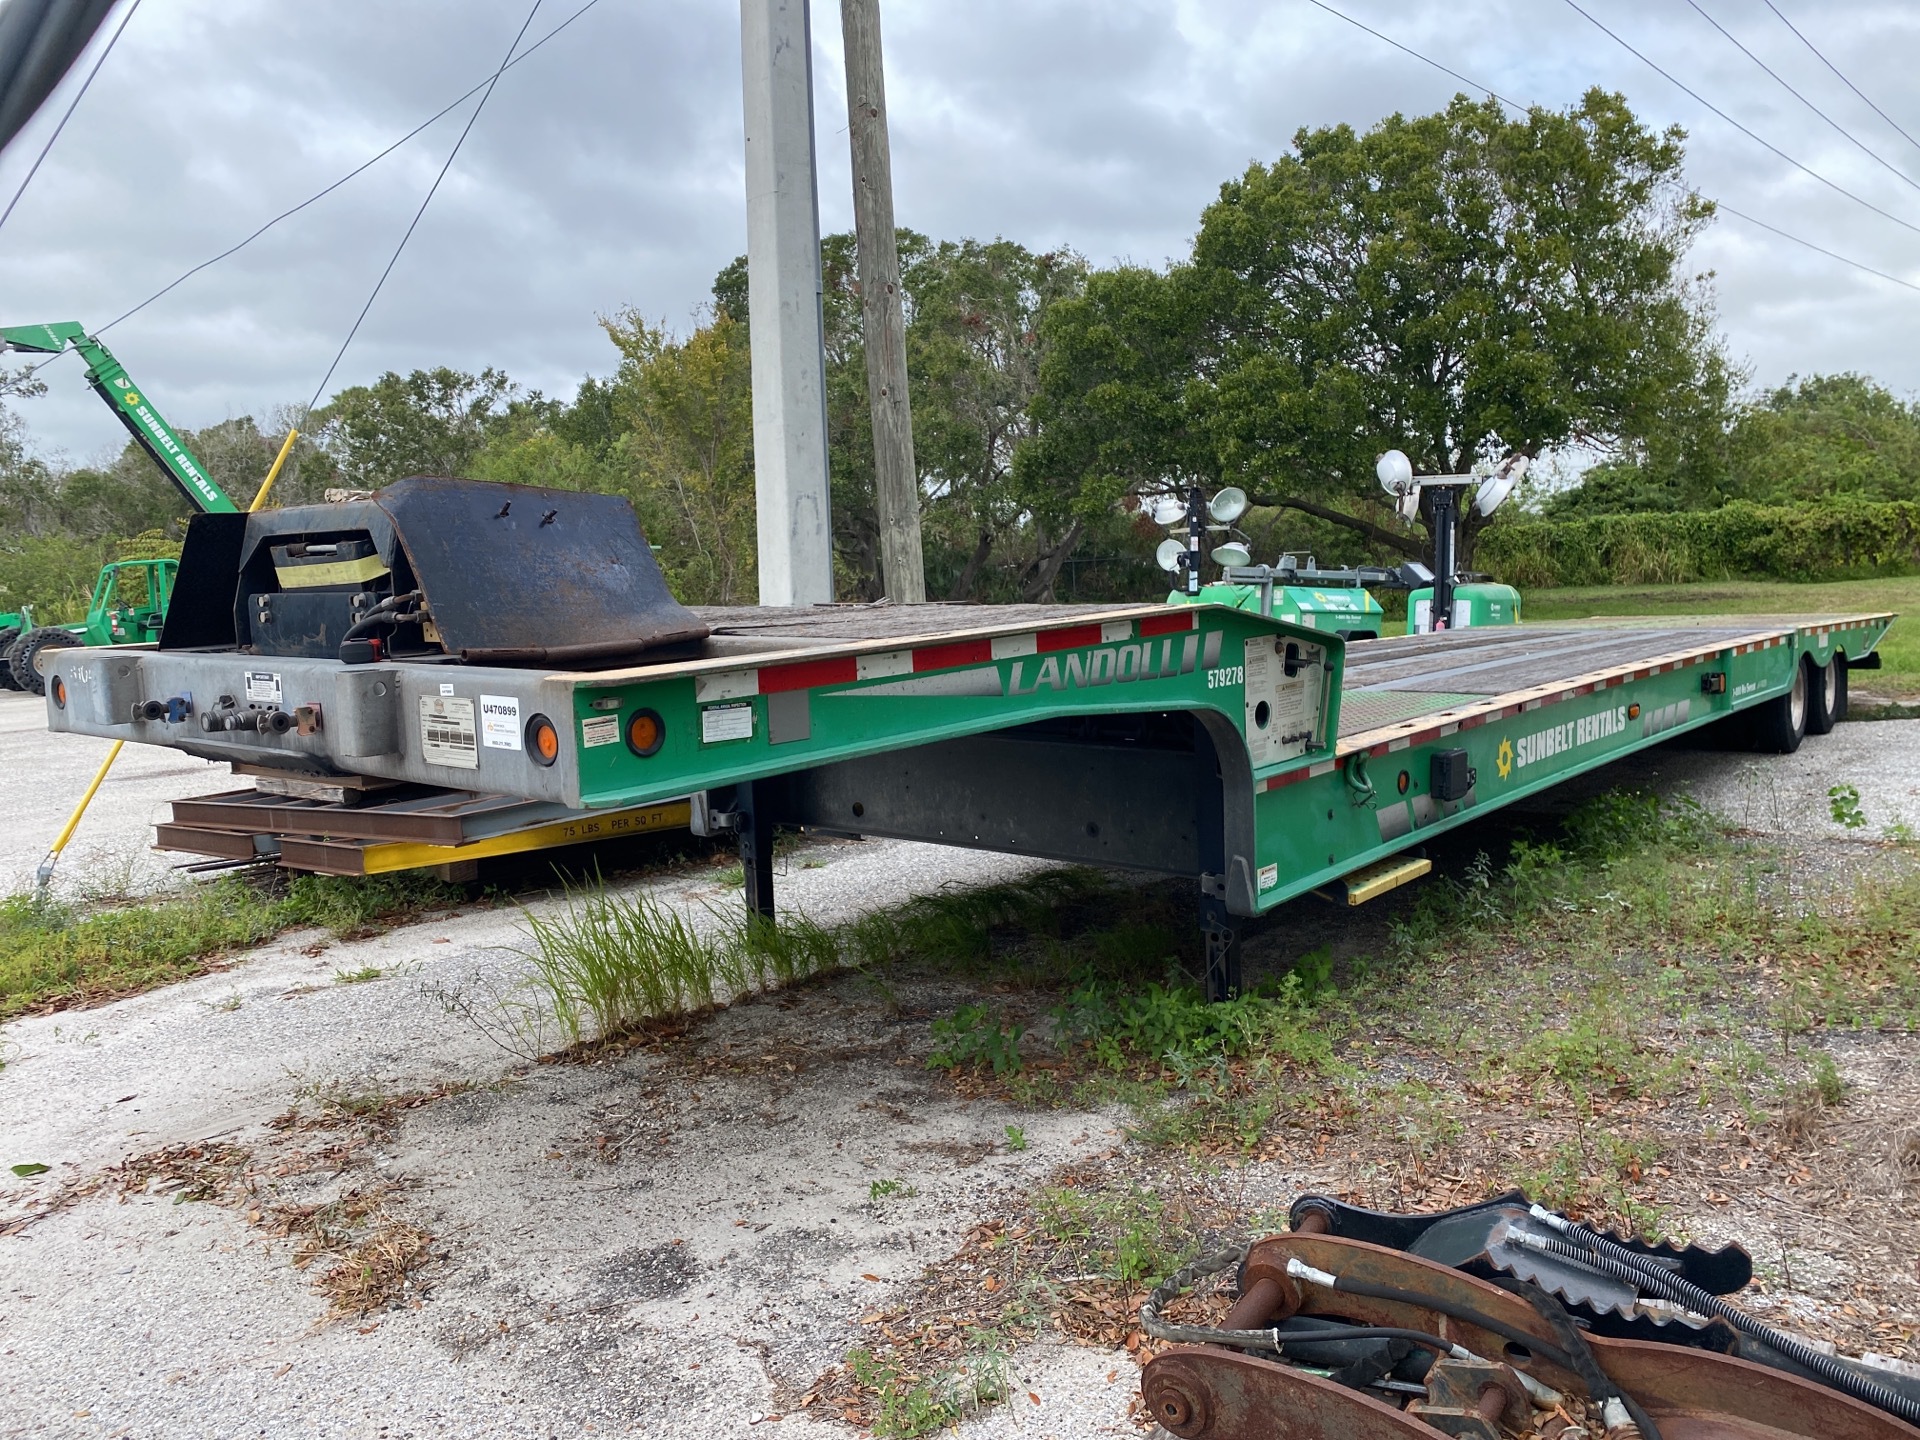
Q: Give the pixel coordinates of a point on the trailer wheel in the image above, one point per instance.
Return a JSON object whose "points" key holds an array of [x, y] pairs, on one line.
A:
{"points": [[1780, 724], [24, 652], [7, 636], [1827, 698]]}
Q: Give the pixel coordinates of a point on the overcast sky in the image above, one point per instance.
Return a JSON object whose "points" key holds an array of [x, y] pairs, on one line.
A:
{"points": [[606, 171]]}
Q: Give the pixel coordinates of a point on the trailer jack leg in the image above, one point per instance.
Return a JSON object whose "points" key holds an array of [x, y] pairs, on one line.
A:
{"points": [[755, 834], [1222, 948]]}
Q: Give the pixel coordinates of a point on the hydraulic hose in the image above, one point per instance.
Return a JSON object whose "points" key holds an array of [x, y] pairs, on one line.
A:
{"points": [[383, 614], [1274, 1339], [1621, 1263], [1572, 1354]]}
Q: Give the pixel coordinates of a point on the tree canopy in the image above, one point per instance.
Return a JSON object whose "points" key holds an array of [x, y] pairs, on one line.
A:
{"points": [[1458, 285]]}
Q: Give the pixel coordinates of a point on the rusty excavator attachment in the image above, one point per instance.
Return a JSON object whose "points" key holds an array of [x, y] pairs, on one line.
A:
{"points": [[1498, 1321]]}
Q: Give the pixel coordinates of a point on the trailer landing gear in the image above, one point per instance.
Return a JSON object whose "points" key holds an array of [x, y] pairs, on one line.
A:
{"points": [[1222, 939]]}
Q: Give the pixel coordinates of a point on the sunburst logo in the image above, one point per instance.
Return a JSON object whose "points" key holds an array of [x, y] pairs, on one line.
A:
{"points": [[133, 397], [1504, 760]]}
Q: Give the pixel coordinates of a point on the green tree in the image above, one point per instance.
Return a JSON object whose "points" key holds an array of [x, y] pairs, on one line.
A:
{"points": [[1458, 285], [974, 311], [973, 364], [684, 417], [429, 422], [672, 430], [1824, 436]]}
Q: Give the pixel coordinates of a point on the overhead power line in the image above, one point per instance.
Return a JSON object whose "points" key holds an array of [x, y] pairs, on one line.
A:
{"points": [[72, 105], [1821, 249], [432, 190], [365, 165], [1842, 78], [1681, 85], [1838, 128], [1516, 105]]}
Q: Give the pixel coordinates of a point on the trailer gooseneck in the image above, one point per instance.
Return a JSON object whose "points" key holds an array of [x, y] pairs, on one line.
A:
{"points": [[539, 656]]}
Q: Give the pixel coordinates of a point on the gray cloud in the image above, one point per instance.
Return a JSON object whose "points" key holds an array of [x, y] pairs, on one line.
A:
{"points": [[606, 170]]}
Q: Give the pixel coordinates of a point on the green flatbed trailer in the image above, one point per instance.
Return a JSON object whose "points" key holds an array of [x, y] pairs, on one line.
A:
{"points": [[1263, 759]]}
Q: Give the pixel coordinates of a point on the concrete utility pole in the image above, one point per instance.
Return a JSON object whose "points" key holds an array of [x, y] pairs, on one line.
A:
{"points": [[783, 306], [883, 320]]}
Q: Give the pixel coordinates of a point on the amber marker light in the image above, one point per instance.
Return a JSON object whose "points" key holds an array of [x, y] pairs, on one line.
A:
{"points": [[645, 733], [543, 741], [59, 692]]}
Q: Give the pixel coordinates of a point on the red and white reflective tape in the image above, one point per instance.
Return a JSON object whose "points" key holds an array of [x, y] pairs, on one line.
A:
{"points": [[947, 655]]}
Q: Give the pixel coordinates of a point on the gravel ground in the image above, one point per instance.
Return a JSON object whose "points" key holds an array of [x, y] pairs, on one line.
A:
{"points": [[665, 1242]]}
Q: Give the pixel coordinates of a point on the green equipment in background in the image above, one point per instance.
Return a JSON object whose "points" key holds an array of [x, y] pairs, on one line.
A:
{"points": [[129, 603]]}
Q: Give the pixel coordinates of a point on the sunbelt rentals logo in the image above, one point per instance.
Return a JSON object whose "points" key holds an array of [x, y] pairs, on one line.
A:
{"points": [[1555, 740]]}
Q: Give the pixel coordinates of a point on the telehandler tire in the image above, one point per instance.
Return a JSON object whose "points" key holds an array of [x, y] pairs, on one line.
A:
{"points": [[24, 652]]}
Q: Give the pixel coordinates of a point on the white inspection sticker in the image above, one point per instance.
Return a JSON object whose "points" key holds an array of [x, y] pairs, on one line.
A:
{"points": [[500, 722], [446, 732], [263, 687], [599, 730], [726, 722]]}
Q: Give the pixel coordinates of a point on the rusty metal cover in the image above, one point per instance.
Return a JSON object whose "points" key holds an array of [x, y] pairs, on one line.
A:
{"points": [[522, 575]]}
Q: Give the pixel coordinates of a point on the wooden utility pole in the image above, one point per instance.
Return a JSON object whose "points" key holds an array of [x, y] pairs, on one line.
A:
{"points": [[883, 319]]}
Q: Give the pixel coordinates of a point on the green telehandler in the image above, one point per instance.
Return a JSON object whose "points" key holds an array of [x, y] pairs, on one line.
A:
{"points": [[129, 603]]}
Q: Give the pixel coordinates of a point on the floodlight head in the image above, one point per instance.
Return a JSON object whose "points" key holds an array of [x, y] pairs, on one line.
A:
{"points": [[1167, 557], [1232, 554], [1395, 472], [1229, 505], [1495, 489], [1167, 509], [1408, 505]]}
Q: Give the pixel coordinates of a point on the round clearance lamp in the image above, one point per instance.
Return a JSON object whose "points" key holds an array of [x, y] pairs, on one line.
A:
{"points": [[1168, 555], [1395, 472]]}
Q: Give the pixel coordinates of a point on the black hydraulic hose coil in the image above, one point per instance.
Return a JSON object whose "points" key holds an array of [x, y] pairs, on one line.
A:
{"points": [[1623, 1264]]}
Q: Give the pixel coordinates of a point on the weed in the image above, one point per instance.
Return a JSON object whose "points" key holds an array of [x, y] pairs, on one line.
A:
{"points": [[760, 953], [1016, 1138], [52, 957], [891, 1190], [1119, 1235], [608, 963], [1843, 803], [357, 977], [971, 1036], [906, 1405]]}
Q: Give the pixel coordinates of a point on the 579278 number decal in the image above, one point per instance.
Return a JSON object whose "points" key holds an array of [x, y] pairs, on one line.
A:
{"points": [[1226, 675]]}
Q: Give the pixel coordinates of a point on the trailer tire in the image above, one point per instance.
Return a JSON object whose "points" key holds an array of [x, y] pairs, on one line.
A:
{"points": [[7, 636], [29, 647], [1780, 724], [1832, 696]]}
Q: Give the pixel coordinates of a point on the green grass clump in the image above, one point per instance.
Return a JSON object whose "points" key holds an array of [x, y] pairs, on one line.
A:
{"points": [[904, 1404], [607, 964], [52, 956]]}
